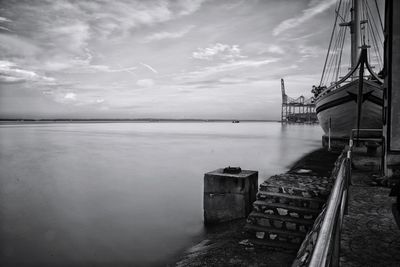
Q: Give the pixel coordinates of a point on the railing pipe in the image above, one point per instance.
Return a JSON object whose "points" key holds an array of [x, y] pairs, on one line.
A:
{"points": [[328, 241]]}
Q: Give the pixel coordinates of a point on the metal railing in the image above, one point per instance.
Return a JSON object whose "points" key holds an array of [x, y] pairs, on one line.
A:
{"points": [[327, 247]]}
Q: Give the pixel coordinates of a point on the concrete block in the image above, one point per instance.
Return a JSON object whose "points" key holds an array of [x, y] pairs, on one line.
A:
{"points": [[228, 196]]}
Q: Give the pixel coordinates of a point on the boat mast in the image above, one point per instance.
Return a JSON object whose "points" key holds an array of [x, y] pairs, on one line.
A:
{"points": [[355, 34]]}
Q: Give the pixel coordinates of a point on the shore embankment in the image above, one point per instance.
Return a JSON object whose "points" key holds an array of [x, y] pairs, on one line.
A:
{"points": [[223, 243], [370, 235]]}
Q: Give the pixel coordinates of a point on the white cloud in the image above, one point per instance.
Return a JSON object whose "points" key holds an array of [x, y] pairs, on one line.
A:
{"points": [[10, 72], [3, 19], [317, 8], [190, 6], [310, 51], [149, 67], [218, 51], [145, 82], [167, 35], [5, 29], [113, 32], [244, 64], [70, 96], [73, 37], [276, 49], [224, 67], [104, 68], [17, 46], [61, 28], [10, 79], [123, 16], [82, 66]]}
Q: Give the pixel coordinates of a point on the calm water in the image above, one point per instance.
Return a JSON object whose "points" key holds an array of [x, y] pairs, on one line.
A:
{"points": [[123, 193]]}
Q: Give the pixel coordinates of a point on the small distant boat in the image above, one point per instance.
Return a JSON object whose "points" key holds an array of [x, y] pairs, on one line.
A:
{"points": [[355, 100], [235, 121]]}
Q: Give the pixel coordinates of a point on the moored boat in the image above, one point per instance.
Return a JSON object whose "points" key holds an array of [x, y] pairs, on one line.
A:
{"points": [[338, 108], [354, 101]]}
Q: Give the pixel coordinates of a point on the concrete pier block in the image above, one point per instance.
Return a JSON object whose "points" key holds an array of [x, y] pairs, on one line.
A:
{"points": [[228, 196]]}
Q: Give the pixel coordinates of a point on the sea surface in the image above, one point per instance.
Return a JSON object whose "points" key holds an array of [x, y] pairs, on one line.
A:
{"points": [[96, 194]]}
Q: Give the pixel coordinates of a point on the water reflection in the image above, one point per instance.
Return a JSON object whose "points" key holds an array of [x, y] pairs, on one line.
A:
{"points": [[123, 192]]}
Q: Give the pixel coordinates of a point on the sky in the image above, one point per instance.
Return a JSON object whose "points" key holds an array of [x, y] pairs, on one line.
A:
{"points": [[210, 59]]}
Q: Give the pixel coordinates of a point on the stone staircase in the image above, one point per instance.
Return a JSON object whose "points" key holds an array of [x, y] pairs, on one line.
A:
{"points": [[286, 208]]}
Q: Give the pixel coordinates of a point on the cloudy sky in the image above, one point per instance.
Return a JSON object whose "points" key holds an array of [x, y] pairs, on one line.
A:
{"points": [[163, 59]]}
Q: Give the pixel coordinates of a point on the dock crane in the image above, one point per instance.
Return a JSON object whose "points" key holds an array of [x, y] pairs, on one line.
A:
{"points": [[299, 109]]}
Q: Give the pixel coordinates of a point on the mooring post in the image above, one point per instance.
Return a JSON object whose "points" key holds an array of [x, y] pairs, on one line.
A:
{"points": [[229, 194]]}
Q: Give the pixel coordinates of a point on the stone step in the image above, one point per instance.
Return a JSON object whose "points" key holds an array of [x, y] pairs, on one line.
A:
{"points": [[279, 222], [273, 234], [292, 200], [298, 185], [256, 228], [274, 243], [285, 210]]}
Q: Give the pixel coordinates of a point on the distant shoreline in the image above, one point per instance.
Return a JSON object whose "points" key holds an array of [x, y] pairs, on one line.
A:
{"points": [[126, 120]]}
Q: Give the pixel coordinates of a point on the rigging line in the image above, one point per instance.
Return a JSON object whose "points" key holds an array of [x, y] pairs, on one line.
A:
{"points": [[329, 58], [335, 57], [375, 42], [330, 42], [376, 46], [374, 23], [338, 52], [342, 38], [340, 56], [365, 19], [369, 56], [368, 39], [376, 50], [329, 67], [346, 15], [362, 26], [341, 18], [336, 62], [341, 49], [378, 31], [332, 63], [363, 10], [332, 56], [379, 15]]}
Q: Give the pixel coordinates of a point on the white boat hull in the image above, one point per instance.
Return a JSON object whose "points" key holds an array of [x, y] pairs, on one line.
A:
{"points": [[340, 107]]}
